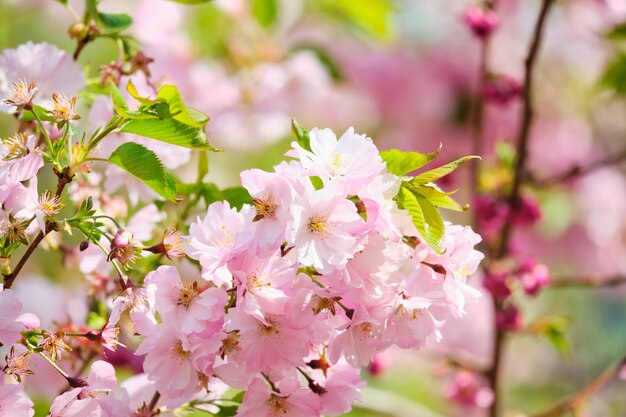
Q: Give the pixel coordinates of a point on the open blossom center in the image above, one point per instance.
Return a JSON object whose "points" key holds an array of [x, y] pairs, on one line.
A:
{"points": [[16, 146], [366, 329], [269, 329], [49, 205], [21, 94], [335, 164], [230, 344], [265, 208], [321, 303], [318, 224], [226, 239], [278, 404], [179, 351], [187, 293]]}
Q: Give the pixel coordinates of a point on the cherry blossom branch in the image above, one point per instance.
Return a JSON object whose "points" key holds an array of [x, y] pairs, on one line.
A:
{"points": [[576, 400], [580, 170], [586, 282], [528, 115], [64, 178]]}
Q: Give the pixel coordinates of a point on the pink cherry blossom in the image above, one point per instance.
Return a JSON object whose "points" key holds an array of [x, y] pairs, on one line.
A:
{"points": [[324, 229], [183, 305], [218, 237], [51, 69], [352, 161], [291, 401], [14, 402], [10, 326]]}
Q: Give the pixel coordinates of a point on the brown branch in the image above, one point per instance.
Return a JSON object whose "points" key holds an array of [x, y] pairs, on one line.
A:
{"points": [[577, 399], [528, 115], [493, 372], [586, 282], [64, 178], [580, 170]]}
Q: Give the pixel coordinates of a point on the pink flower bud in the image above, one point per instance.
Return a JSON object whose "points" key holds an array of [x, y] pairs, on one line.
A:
{"points": [[470, 390], [528, 212], [533, 276], [502, 89], [496, 284], [481, 21], [509, 319]]}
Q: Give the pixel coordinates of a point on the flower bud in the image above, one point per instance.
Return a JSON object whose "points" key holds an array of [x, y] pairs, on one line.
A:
{"points": [[502, 89], [83, 245], [481, 21]]}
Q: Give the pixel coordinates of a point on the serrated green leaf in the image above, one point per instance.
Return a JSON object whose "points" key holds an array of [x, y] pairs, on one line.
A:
{"points": [[177, 110], [132, 90], [401, 163], [425, 216], [169, 131], [115, 22], [437, 197], [301, 134], [144, 165], [442, 171]]}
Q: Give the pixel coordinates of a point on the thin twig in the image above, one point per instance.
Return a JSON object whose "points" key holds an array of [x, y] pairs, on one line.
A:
{"points": [[589, 281], [579, 170], [528, 115], [9, 279], [577, 399]]}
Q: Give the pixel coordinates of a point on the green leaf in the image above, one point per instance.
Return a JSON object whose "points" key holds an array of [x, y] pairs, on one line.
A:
{"points": [[169, 131], [554, 330], [169, 94], [301, 134], [144, 165], [317, 182], [615, 74], [401, 163], [237, 196], [618, 32], [265, 11], [115, 22], [425, 216], [227, 410], [29, 115], [119, 104], [132, 90], [437, 197], [370, 16], [442, 171]]}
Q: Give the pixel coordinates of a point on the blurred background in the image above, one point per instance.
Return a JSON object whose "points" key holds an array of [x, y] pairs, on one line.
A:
{"points": [[406, 73]]}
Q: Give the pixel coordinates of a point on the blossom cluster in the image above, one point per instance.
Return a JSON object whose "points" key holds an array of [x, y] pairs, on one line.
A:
{"points": [[301, 288], [285, 297]]}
